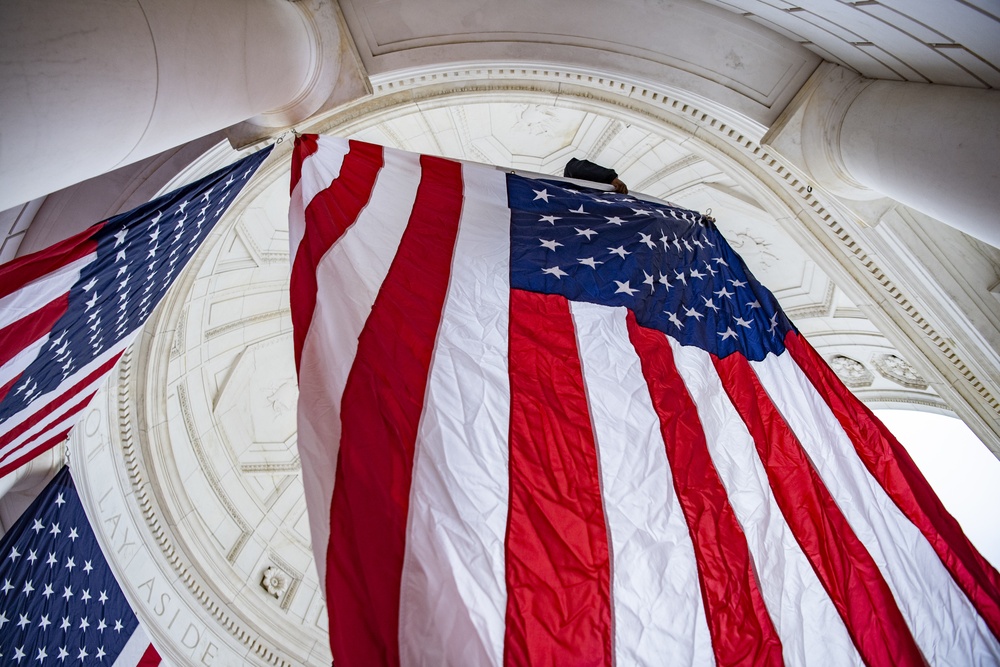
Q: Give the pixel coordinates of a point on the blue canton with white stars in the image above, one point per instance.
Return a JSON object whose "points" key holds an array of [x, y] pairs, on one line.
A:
{"points": [[668, 265], [59, 601], [139, 254]]}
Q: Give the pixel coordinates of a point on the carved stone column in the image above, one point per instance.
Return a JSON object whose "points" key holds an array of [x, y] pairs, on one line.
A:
{"points": [[932, 148], [88, 85]]}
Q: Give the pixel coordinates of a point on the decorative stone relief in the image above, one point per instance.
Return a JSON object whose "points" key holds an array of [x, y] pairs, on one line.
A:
{"points": [[535, 119], [530, 132], [255, 406], [274, 581], [745, 242], [853, 373], [611, 130], [899, 371], [282, 397]]}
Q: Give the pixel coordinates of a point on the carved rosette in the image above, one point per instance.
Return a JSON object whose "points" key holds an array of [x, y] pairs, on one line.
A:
{"points": [[899, 371], [852, 372], [274, 581]]}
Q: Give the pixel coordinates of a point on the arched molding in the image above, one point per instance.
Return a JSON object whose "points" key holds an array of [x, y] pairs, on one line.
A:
{"points": [[164, 414], [744, 64]]}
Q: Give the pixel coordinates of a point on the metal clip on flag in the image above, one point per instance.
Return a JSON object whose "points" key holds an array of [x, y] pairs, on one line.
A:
{"points": [[549, 425]]}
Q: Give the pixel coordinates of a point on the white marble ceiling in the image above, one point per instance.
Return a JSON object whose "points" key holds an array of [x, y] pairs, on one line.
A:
{"points": [[951, 42]]}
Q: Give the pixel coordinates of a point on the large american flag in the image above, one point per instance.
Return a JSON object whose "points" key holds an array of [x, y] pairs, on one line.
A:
{"points": [[69, 311], [542, 424], [59, 602]]}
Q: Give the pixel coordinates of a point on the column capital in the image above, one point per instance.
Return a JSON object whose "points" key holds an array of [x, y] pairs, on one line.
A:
{"points": [[928, 146], [808, 131], [337, 76], [91, 86]]}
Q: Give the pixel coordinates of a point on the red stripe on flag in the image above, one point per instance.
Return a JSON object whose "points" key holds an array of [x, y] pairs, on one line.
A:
{"points": [[742, 631], [557, 555], [20, 334], [889, 463], [844, 567], [17, 273], [58, 401], [328, 215], [383, 400], [305, 145], [150, 658], [33, 447], [40, 448]]}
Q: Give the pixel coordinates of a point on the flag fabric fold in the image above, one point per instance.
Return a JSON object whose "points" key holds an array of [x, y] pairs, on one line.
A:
{"points": [[543, 424], [59, 600], [68, 312]]}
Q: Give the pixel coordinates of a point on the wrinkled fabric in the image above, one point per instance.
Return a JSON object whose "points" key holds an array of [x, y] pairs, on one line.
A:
{"points": [[545, 425]]}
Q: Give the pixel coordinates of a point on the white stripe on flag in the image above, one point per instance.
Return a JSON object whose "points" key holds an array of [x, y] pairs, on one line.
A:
{"points": [[318, 171], [457, 521], [345, 294], [37, 293], [658, 607], [944, 623], [22, 360], [811, 630], [134, 649]]}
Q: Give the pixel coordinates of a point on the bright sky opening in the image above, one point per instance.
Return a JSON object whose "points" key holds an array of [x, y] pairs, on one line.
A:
{"points": [[963, 472]]}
